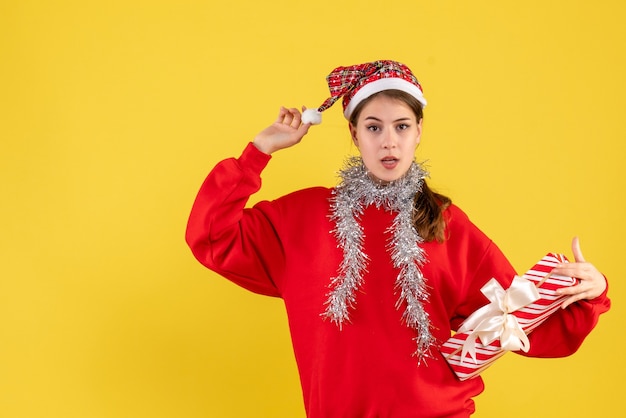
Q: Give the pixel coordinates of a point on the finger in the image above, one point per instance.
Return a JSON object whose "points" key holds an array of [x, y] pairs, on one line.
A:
{"points": [[571, 290], [578, 270], [578, 254], [303, 129], [570, 300], [573, 294], [288, 118], [297, 117], [281, 114]]}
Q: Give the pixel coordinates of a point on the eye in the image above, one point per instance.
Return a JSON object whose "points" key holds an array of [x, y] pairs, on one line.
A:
{"points": [[402, 126], [373, 128]]}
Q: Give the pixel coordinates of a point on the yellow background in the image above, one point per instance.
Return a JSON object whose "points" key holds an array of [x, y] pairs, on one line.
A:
{"points": [[112, 113]]}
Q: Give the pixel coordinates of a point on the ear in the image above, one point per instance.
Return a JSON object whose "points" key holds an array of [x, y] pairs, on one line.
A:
{"points": [[353, 134], [419, 130]]}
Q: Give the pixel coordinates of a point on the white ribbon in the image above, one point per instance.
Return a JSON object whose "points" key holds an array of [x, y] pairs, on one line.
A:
{"points": [[495, 320]]}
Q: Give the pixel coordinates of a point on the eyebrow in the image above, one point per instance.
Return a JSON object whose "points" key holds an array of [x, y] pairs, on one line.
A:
{"points": [[380, 120]]}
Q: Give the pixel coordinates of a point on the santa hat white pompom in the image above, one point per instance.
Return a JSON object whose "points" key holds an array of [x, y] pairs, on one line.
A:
{"points": [[312, 116]]}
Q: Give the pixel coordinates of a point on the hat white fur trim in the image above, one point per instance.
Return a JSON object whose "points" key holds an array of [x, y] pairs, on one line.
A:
{"points": [[379, 85]]}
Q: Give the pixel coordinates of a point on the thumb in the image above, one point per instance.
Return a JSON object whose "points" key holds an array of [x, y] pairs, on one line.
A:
{"points": [[302, 130], [578, 254]]}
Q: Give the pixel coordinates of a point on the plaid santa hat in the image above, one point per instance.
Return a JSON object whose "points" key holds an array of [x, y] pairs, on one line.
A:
{"points": [[356, 83]]}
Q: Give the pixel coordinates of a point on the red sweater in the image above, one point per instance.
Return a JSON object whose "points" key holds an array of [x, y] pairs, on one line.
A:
{"points": [[286, 248]]}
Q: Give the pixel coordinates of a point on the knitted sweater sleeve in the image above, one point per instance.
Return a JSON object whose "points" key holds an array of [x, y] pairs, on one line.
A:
{"points": [[236, 242]]}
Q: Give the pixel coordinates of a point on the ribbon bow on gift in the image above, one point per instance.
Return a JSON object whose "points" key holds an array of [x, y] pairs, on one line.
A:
{"points": [[496, 321]]}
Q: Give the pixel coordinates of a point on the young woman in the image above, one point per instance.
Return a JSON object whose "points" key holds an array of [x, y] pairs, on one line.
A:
{"points": [[376, 272]]}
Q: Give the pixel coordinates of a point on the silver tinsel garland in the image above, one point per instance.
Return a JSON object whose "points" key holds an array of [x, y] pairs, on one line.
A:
{"points": [[356, 191]]}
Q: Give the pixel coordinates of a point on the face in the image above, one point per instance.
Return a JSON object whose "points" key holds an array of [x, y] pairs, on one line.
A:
{"points": [[387, 134]]}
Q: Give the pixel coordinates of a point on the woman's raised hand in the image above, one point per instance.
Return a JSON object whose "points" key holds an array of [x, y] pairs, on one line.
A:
{"points": [[285, 132]]}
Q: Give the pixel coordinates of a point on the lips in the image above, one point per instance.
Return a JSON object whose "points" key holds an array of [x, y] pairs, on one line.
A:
{"points": [[389, 162]]}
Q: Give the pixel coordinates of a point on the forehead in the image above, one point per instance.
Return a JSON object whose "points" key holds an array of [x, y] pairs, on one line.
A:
{"points": [[384, 107]]}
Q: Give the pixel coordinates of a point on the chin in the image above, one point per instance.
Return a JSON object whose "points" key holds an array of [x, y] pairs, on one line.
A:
{"points": [[384, 178]]}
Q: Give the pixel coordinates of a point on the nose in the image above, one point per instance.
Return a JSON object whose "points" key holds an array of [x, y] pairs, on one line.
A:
{"points": [[389, 140]]}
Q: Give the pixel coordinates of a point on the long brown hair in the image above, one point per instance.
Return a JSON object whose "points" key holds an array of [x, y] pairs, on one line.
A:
{"points": [[428, 206]]}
